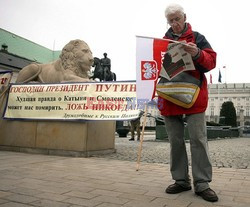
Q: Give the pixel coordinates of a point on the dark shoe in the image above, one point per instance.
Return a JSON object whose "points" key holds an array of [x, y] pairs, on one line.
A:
{"points": [[208, 195], [132, 139], [176, 188]]}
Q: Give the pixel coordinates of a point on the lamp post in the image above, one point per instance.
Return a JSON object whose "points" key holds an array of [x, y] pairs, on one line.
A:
{"points": [[241, 121]]}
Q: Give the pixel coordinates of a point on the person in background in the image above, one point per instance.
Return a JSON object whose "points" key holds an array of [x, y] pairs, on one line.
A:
{"points": [[204, 59], [135, 126]]}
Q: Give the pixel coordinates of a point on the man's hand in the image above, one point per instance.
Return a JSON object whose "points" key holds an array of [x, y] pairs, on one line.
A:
{"points": [[192, 49]]}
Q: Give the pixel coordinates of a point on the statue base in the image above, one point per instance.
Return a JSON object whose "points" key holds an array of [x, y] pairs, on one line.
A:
{"points": [[58, 137]]}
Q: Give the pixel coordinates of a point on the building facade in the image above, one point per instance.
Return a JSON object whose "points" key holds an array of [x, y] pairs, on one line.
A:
{"points": [[238, 93]]}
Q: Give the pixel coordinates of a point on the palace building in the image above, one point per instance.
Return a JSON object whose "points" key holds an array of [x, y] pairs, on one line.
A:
{"points": [[238, 93]]}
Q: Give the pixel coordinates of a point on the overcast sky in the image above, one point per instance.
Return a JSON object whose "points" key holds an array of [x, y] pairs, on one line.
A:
{"points": [[111, 26]]}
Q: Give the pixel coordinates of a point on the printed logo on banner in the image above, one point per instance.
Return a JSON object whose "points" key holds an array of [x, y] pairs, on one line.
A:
{"points": [[148, 70]]}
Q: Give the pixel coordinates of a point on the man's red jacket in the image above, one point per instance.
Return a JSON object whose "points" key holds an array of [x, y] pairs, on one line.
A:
{"points": [[204, 63]]}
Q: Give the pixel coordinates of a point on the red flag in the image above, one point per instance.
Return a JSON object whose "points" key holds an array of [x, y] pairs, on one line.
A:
{"points": [[149, 56], [211, 80]]}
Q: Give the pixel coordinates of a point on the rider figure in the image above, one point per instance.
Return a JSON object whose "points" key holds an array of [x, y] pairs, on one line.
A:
{"points": [[106, 62]]}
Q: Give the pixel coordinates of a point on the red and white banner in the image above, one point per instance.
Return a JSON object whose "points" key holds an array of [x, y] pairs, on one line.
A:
{"points": [[149, 55], [5, 77]]}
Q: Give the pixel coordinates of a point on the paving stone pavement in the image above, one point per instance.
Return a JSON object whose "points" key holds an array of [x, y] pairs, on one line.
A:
{"points": [[230, 152], [109, 181]]}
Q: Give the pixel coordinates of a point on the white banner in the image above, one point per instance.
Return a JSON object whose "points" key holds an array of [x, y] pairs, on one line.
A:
{"points": [[84, 101]]}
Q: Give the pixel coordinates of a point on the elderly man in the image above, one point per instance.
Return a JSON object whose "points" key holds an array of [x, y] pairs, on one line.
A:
{"points": [[204, 59]]}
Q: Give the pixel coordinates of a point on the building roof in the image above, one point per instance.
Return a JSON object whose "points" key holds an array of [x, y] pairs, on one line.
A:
{"points": [[13, 61], [27, 49], [229, 86]]}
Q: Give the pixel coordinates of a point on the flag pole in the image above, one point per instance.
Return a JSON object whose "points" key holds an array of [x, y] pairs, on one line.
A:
{"points": [[141, 137], [225, 73], [168, 40]]}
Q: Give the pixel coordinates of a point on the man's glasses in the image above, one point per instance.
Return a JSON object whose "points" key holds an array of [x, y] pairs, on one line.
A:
{"points": [[176, 19]]}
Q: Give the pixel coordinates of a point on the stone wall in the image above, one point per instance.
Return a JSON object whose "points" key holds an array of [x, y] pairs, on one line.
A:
{"points": [[57, 137]]}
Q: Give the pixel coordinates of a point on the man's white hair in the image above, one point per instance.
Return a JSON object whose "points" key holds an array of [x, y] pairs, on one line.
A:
{"points": [[173, 8]]}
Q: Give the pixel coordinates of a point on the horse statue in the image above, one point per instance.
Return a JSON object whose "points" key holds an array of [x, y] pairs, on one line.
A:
{"points": [[103, 74]]}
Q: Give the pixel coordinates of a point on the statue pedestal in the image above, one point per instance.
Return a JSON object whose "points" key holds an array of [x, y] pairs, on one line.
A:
{"points": [[58, 137]]}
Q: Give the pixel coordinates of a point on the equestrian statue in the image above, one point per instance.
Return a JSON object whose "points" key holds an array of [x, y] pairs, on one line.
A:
{"points": [[102, 69]]}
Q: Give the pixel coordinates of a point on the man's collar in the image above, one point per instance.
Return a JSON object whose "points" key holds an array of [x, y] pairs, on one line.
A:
{"points": [[183, 31]]}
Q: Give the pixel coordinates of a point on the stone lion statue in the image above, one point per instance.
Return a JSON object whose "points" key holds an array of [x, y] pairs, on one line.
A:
{"points": [[73, 65]]}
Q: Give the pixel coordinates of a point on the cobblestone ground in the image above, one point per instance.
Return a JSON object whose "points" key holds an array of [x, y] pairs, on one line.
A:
{"points": [[230, 153]]}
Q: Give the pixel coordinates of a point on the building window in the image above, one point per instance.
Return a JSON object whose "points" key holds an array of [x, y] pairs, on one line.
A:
{"points": [[247, 111], [238, 110], [212, 111]]}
